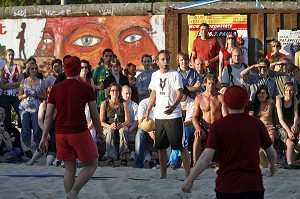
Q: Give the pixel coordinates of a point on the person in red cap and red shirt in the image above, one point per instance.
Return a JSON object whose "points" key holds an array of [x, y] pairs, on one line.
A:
{"points": [[238, 137], [73, 139]]}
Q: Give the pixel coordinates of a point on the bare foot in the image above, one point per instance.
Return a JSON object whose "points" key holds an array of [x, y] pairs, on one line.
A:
{"points": [[29, 163], [72, 195]]}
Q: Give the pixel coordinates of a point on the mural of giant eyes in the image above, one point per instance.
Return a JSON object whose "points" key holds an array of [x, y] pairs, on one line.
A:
{"points": [[87, 41], [47, 41], [132, 38]]}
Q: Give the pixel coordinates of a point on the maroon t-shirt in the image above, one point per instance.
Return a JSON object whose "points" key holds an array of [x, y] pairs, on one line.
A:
{"points": [[70, 98], [238, 138]]}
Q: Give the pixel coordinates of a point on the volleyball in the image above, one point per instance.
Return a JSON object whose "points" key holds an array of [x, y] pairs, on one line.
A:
{"points": [[147, 125]]}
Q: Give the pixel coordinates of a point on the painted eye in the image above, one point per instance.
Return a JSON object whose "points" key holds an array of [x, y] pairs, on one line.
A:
{"points": [[86, 41], [48, 41], [132, 38]]}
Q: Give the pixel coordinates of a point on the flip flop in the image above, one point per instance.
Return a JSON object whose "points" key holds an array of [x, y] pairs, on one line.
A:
{"points": [[123, 163]]}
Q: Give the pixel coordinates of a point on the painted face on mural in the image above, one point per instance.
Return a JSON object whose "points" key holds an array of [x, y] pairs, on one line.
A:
{"points": [[87, 37]]}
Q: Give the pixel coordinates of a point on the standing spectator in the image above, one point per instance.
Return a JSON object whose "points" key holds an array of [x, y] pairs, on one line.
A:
{"points": [[130, 72], [276, 46], [231, 74], [32, 59], [206, 48], [86, 73], [114, 117], [255, 80], [239, 175], [225, 53], [11, 76], [287, 110], [166, 86], [56, 67], [116, 75], [144, 78], [73, 139], [31, 94], [190, 78], [100, 73]]}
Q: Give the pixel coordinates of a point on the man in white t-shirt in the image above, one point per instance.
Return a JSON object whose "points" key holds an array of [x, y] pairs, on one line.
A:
{"points": [[166, 86]]}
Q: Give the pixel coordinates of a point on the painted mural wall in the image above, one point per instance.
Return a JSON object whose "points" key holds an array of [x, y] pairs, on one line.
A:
{"points": [[86, 37]]}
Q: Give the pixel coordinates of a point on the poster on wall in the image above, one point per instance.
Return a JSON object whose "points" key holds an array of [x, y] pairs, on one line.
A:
{"points": [[86, 37], [290, 42], [219, 26]]}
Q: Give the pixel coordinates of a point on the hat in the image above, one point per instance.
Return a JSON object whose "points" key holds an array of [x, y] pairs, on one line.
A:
{"points": [[235, 97], [72, 66]]}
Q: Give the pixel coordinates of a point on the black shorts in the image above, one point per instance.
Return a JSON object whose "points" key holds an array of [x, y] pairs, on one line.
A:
{"points": [[169, 132], [242, 195]]}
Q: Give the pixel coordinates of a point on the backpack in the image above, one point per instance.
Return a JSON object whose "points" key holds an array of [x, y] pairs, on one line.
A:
{"points": [[229, 69]]}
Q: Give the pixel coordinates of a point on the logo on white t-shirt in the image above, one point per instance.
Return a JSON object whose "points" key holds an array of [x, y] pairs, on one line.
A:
{"points": [[162, 85]]}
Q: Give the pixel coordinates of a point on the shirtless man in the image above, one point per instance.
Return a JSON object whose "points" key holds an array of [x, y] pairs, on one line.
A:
{"points": [[209, 106]]}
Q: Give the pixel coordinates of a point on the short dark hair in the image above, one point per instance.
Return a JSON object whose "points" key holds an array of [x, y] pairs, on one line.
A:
{"points": [[204, 24], [31, 59], [146, 55], [264, 60], [56, 61], [107, 50], [89, 73], [163, 51]]}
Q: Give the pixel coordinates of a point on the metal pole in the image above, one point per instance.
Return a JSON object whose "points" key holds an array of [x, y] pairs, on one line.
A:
{"points": [[63, 2]]}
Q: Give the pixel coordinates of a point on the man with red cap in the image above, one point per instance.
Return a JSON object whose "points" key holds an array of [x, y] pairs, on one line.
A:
{"points": [[73, 139], [238, 137]]}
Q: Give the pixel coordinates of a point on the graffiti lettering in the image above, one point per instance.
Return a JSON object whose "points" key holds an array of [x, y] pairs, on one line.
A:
{"points": [[106, 12], [20, 13], [2, 29]]}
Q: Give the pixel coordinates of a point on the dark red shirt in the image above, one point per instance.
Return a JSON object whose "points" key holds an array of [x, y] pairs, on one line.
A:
{"points": [[70, 98], [238, 138]]}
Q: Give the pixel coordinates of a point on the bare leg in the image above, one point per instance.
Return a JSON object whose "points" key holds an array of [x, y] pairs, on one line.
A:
{"points": [[69, 176], [162, 155], [289, 151], [185, 160], [83, 177], [35, 156], [196, 150], [49, 160]]}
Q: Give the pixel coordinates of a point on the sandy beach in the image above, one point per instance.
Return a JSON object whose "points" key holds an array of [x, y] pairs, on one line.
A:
{"points": [[128, 183]]}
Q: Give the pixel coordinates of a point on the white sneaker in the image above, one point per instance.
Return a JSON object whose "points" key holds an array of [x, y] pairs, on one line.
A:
{"points": [[147, 157], [132, 156]]}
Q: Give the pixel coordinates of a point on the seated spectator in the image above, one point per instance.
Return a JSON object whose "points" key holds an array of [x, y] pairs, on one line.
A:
{"points": [[255, 80], [133, 109], [187, 105], [199, 67], [5, 144], [116, 75], [130, 72], [190, 78], [142, 136], [56, 69], [265, 110], [276, 46], [32, 92], [114, 117], [51, 152], [287, 110]]}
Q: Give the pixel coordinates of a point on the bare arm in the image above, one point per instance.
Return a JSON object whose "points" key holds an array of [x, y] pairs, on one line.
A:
{"points": [[193, 57], [43, 96], [297, 59], [47, 124], [295, 125], [95, 117], [196, 113], [22, 95], [272, 157], [127, 115], [224, 107], [92, 84], [41, 115], [280, 117], [102, 115], [201, 165], [7, 141], [245, 72], [133, 126], [151, 104], [221, 63]]}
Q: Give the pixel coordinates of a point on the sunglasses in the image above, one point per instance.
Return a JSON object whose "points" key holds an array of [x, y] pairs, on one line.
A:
{"points": [[116, 90], [84, 67], [1, 125], [33, 68], [277, 46], [230, 38]]}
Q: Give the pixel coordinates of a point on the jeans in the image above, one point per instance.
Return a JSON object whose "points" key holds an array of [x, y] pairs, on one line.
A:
{"points": [[26, 117], [6, 102], [175, 154], [140, 138]]}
